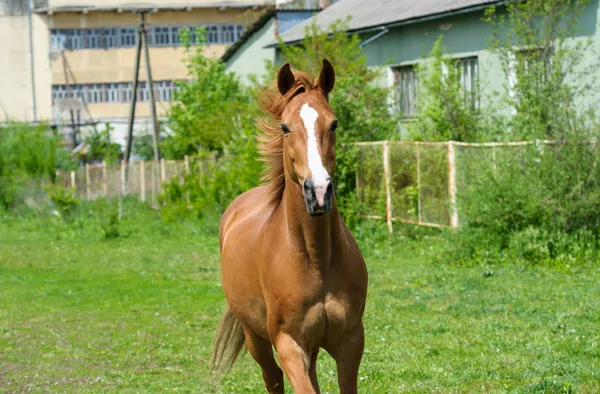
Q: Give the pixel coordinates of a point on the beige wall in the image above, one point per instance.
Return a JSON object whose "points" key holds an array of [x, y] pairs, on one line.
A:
{"points": [[117, 65], [92, 65], [16, 102], [73, 20]]}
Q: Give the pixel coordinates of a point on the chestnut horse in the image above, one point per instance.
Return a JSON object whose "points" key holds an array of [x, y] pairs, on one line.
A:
{"points": [[293, 275]]}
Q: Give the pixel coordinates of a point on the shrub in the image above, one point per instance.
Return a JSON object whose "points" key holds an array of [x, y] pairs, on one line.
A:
{"points": [[29, 156], [445, 109]]}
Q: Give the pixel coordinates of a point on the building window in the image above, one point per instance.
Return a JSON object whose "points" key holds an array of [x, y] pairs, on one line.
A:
{"points": [[228, 34], [406, 88], [536, 60], [95, 93], [469, 78], [113, 93], [126, 91], [175, 35], [128, 36], [58, 92], [164, 90], [212, 34], [239, 30], [143, 93], [161, 35], [92, 38], [58, 39], [74, 39], [110, 38], [124, 37]]}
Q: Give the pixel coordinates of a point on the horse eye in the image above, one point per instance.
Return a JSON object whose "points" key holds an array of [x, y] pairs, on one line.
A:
{"points": [[285, 129], [334, 125]]}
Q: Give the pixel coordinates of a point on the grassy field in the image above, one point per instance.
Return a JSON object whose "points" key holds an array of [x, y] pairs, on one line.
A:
{"points": [[137, 314]]}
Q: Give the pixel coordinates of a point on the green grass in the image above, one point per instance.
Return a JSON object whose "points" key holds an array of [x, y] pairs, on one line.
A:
{"points": [[137, 313]]}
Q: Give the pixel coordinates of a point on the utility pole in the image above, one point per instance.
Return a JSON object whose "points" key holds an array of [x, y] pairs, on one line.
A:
{"points": [[142, 39]]}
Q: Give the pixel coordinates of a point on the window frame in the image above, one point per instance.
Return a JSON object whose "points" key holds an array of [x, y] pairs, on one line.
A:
{"points": [[406, 106]]}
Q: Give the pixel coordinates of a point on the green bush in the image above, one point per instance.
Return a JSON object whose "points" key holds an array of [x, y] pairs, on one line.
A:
{"points": [[29, 156], [539, 206]]}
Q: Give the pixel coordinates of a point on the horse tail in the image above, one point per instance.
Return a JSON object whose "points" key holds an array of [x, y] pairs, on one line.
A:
{"points": [[228, 343]]}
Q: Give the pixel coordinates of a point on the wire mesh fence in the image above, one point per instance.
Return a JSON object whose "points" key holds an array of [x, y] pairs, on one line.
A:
{"points": [[418, 182], [397, 181]]}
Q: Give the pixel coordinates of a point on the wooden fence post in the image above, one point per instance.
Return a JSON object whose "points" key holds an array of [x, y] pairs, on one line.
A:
{"points": [[452, 184], [123, 185], [388, 195], [104, 179], [88, 190], [163, 170], [187, 164], [73, 185], [154, 173], [419, 214], [142, 182]]}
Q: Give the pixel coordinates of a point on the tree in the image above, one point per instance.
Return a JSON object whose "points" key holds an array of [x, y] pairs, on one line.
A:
{"points": [[543, 64], [207, 106], [445, 109]]}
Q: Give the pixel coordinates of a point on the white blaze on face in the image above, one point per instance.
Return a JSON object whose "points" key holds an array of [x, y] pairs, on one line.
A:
{"points": [[320, 177]]}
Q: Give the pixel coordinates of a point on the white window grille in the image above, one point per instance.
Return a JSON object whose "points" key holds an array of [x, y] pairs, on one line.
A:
{"points": [[74, 38], [164, 90], [58, 92], [175, 35], [228, 34], [126, 91], [110, 38], [469, 78], [213, 34], [161, 35], [95, 93], [113, 93], [58, 39], [143, 93], [92, 38], [128, 36]]}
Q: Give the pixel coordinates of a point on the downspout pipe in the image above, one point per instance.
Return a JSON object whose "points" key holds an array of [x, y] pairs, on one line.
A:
{"points": [[31, 60], [384, 31]]}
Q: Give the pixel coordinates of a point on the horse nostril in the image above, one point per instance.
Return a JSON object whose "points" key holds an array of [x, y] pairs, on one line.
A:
{"points": [[329, 186], [306, 185]]}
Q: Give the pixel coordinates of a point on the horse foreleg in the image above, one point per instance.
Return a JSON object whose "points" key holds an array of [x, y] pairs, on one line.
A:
{"points": [[262, 351], [296, 364], [347, 357], [312, 372]]}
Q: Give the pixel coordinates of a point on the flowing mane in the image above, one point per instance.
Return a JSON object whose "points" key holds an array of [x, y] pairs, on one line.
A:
{"points": [[270, 139]]}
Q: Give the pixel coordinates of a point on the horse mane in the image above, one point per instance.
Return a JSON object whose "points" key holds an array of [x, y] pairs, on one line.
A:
{"points": [[270, 139]]}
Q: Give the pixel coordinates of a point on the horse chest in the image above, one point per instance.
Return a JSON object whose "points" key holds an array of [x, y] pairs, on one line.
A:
{"points": [[336, 313]]}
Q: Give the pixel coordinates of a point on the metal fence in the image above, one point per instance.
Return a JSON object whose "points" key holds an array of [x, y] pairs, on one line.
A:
{"points": [[417, 182]]}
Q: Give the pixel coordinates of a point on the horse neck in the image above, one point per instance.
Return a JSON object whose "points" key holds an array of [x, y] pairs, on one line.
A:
{"points": [[316, 235]]}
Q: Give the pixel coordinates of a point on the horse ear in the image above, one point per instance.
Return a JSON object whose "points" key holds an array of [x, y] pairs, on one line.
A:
{"points": [[285, 79], [326, 80]]}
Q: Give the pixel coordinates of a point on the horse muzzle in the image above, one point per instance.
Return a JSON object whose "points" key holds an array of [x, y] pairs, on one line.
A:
{"points": [[318, 198]]}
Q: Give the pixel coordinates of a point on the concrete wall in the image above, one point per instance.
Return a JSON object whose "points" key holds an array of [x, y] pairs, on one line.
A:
{"points": [[250, 58], [91, 65], [16, 98], [117, 64]]}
